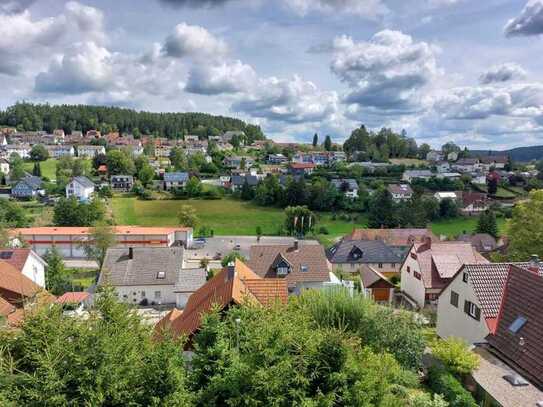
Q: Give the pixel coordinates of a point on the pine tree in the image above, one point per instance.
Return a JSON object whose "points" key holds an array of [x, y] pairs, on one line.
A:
{"points": [[36, 170], [328, 143], [315, 140], [487, 224]]}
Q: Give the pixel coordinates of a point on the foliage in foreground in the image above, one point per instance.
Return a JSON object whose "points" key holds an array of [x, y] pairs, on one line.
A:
{"points": [[443, 382], [253, 356], [455, 355]]}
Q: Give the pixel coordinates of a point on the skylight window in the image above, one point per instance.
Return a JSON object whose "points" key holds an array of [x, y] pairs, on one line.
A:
{"points": [[303, 268], [517, 324], [516, 380], [6, 255], [161, 275]]}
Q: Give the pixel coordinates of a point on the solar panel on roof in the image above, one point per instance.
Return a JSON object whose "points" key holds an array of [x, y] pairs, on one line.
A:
{"points": [[517, 324], [6, 255]]}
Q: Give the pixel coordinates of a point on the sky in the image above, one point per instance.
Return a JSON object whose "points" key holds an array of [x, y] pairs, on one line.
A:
{"points": [[444, 70]]}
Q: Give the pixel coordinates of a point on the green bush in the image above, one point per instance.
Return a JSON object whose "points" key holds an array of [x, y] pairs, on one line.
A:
{"points": [[455, 355], [442, 382], [323, 230]]}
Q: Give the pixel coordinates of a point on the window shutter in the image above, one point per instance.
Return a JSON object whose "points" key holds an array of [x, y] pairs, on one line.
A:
{"points": [[477, 313], [466, 307]]}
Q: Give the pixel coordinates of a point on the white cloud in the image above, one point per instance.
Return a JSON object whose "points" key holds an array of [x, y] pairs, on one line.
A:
{"points": [[193, 41], [386, 73], [222, 78], [89, 20], [502, 73], [371, 9], [86, 67], [292, 101], [14, 6], [529, 22]]}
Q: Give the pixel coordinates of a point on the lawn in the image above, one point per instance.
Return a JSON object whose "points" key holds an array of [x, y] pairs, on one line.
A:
{"points": [[454, 227], [48, 168], [225, 216]]}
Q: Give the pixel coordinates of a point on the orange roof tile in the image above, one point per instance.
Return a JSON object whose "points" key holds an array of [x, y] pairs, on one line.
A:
{"points": [[230, 285], [83, 230], [5, 307], [14, 281], [72, 298]]}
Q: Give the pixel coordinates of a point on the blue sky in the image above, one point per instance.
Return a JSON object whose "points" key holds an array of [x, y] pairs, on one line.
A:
{"points": [[460, 70]]}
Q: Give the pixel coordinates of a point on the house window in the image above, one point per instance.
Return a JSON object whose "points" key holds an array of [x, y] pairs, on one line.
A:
{"points": [[465, 277], [417, 275], [282, 270], [157, 295], [303, 268], [143, 294], [472, 310], [380, 265], [517, 324], [408, 269], [393, 265], [414, 255], [454, 299], [161, 275]]}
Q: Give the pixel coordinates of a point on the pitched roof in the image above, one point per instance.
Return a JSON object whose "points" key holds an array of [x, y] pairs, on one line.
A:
{"points": [[302, 166], [369, 251], [16, 257], [521, 344], [189, 280], [233, 284], [252, 180], [87, 183], [32, 181], [310, 258], [395, 237], [488, 282], [176, 176], [5, 308], [14, 281], [72, 298], [147, 266], [370, 276], [349, 183], [400, 189], [483, 242], [440, 262]]}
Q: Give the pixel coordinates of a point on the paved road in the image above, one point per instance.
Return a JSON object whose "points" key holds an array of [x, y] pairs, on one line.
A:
{"points": [[226, 244]]}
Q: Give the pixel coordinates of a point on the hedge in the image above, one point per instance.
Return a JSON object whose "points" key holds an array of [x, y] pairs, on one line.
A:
{"points": [[444, 383]]}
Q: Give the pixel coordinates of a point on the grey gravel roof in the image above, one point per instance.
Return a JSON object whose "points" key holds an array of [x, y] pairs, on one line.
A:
{"points": [[189, 280], [373, 251], [143, 268]]}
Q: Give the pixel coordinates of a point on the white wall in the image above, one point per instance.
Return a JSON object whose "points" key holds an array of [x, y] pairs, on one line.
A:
{"points": [[409, 284], [34, 269], [167, 294], [452, 321]]}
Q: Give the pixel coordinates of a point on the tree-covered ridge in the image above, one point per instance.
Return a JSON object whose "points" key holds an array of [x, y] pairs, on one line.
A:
{"points": [[34, 117]]}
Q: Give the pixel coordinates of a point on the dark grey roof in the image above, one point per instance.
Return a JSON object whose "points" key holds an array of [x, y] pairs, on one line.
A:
{"points": [[176, 176], [32, 181], [144, 266], [372, 251], [252, 180], [87, 183]]}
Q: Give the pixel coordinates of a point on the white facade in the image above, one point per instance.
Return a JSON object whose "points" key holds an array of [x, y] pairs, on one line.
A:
{"points": [[80, 191], [409, 283], [158, 294], [4, 167], [452, 320], [34, 269], [445, 195], [90, 151]]}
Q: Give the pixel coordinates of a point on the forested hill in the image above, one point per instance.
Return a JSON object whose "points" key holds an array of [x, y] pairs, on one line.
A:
{"points": [[521, 154], [27, 116]]}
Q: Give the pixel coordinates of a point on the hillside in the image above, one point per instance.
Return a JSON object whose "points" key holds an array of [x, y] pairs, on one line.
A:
{"points": [[522, 154], [32, 117]]}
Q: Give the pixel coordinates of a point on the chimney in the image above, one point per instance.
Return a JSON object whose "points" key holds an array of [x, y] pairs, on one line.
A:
{"points": [[427, 244], [296, 245], [130, 253], [231, 267]]}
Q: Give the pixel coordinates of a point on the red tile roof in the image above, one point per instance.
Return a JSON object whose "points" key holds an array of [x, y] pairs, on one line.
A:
{"points": [[522, 349], [72, 298], [5, 307], [83, 230], [395, 237], [15, 282], [15, 257], [302, 166], [231, 285]]}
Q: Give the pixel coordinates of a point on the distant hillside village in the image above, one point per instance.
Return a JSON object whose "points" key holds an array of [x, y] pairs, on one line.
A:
{"points": [[380, 220]]}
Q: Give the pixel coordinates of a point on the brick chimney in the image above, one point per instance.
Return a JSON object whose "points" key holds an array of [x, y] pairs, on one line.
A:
{"points": [[426, 245], [534, 264], [296, 245]]}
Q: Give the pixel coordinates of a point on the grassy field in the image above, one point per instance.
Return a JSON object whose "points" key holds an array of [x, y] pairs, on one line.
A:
{"points": [[48, 168], [454, 227], [226, 216]]}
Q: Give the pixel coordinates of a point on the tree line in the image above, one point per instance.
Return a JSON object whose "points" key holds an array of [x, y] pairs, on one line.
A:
{"points": [[33, 117]]}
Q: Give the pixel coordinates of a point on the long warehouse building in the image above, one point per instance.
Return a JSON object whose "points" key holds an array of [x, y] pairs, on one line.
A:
{"points": [[70, 241]]}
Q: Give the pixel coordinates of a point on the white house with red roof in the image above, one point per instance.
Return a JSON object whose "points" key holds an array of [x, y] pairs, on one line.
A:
{"points": [[429, 267], [28, 262]]}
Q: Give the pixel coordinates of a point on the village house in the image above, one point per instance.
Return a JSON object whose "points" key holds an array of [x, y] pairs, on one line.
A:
{"points": [[434, 156], [439, 196], [400, 192], [482, 242], [302, 266], [90, 151], [237, 181], [404, 238], [28, 262], [80, 187], [174, 180], [493, 161], [275, 159], [70, 241], [58, 151], [430, 266], [443, 167], [466, 164], [238, 162], [301, 168], [22, 150], [473, 203], [235, 284], [469, 304], [27, 188], [122, 182], [151, 275], [347, 186], [410, 175], [228, 135], [74, 303], [376, 285], [356, 256]]}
